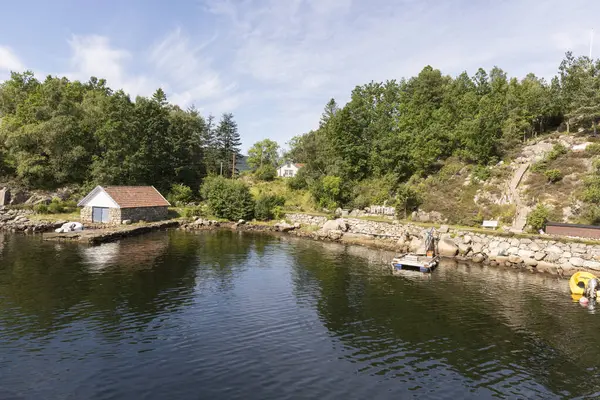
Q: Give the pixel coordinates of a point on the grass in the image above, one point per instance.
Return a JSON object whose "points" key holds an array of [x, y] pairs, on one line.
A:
{"points": [[295, 200], [72, 216]]}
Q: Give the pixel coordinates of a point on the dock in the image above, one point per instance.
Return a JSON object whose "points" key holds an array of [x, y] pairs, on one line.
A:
{"points": [[110, 234]]}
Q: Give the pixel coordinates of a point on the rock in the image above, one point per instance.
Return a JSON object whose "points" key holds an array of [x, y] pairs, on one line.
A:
{"points": [[593, 265], [526, 241], [504, 245], [530, 262], [467, 239], [447, 248], [19, 197], [297, 225], [566, 254], [335, 234], [547, 267], [576, 261], [416, 245], [463, 248], [126, 222], [5, 197], [493, 244], [335, 225], [514, 242], [515, 259], [534, 247], [554, 249], [552, 257], [444, 229], [284, 227], [241, 222], [477, 248], [513, 250], [478, 258], [539, 256], [345, 213], [525, 253]]}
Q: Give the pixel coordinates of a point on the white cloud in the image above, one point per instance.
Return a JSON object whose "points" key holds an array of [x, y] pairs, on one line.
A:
{"points": [[9, 62], [94, 56], [189, 70]]}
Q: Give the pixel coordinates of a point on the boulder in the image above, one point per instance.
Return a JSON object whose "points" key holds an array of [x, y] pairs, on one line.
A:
{"points": [[241, 222], [547, 267], [552, 257], [19, 197], [444, 229], [525, 253], [467, 239], [447, 248], [478, 258], [515, 259], [530, 262], [504, 245], [126, 222], [463, 249], [284, 227], [593, 265], [335, 225], [477, 248], [539, 256], [335, 234], [534, 247], [513, 250], [416, 245], [576, 261], [5, 197]]}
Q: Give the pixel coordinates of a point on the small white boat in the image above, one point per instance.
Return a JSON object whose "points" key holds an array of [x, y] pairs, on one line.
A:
{"points": [[70, 227]]}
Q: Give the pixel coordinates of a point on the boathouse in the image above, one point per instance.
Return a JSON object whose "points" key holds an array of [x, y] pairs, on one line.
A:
{"points": [[115, 204]]}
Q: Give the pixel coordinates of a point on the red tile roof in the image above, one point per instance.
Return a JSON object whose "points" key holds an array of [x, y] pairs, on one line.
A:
{"points": [[136, 196]]}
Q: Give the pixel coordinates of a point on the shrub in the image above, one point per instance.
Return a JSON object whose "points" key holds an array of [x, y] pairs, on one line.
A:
{"points": [[596, 166], [327, 191], [557, 151], [298, 182], [553, 175], [591, 214], [591, 194], [407, 200], [481, 173], [193, 212], [375, 191], [593, 149], [265, 173], [538, 217], [41, 209], [264, 209], [229, 199], [180, 194], [539, 166]]}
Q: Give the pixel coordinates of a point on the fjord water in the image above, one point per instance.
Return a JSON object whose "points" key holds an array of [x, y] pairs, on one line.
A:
{"points": [[224, 315]]}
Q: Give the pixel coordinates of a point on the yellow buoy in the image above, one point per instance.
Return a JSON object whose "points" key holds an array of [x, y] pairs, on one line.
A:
{"points": [[579, 280]]}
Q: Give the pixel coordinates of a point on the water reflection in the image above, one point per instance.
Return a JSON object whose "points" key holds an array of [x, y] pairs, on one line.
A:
{"points": [[231, 315]]}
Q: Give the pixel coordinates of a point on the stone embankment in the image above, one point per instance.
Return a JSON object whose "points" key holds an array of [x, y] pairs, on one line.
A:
{"points": [[536, 253], [99, 236], [12, 220]]}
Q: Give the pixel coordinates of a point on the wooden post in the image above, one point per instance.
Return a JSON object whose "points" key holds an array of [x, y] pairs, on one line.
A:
{"points": [[233, 167]]}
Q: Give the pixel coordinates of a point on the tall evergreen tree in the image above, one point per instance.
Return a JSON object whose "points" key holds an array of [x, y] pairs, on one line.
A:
{"points": [[228, 143]]}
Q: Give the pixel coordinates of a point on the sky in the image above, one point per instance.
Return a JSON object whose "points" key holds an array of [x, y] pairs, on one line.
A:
{"points": [[275, 63]]}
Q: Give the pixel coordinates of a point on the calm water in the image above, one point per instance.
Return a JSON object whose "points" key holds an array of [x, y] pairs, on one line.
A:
{"points": [[222, 315]]}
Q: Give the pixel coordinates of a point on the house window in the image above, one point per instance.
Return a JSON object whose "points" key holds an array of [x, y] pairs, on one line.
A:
{"points": [[100, 215]]}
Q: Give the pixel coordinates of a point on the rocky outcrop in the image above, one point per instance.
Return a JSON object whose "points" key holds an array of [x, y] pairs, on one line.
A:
{"points": [[13, 220], [447, 248]]}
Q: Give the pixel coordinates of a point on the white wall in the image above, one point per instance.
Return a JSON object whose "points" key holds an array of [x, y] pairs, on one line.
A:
{"points": [[290, 167], [101, 199]]}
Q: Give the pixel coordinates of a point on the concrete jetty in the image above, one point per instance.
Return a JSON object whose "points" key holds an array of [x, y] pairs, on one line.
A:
{"points": [[110, 234]]}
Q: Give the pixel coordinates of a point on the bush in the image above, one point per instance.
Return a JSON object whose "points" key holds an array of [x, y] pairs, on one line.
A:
{"points": [[41, 209], [56, 206], [180, 194], [229, 199], [538, 218], [557, 151], [553, 175], [193, 212], [264, 209], [407, 200], [327, 191], [375, 191], [539, 166], [593, 149], [481, 173], [265, 173], [298, 182]]}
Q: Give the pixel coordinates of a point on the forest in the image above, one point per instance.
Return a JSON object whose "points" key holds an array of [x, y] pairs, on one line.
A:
{"points": [[388, 137], [392, 134], [57, 132]]}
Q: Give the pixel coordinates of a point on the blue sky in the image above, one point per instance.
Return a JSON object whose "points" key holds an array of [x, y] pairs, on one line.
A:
{"points": [[275, 63]]}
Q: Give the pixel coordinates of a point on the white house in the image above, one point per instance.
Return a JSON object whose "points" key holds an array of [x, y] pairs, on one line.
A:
{"points": [[289, 170]]}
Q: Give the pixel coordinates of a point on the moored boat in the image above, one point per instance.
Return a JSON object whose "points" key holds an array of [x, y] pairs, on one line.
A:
{"points": [[425, 262]]}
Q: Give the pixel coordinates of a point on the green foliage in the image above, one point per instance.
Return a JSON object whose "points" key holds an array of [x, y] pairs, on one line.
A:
{"points": [[193, 212], [557, 151], [59, 132], [407, 200], [590, 214], [226, 198], [326, 191], [375, 191], [56, 206], [265, 173], [593, 149], [481, 173], [596, 166], [553, 175], [266, 205], [538, 217], [263, 154], [298, 182], [540, 166], [180, 194]]}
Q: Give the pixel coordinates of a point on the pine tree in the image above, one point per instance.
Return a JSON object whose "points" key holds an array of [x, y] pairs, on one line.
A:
{"points": [[228, 143]]}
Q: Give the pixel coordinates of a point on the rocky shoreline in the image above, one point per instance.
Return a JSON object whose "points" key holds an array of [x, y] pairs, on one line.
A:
{"points": [[555, 256], [13, 220]]}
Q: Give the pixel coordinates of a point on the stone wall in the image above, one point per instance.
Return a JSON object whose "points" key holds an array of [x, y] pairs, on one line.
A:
{"points": [[147, 214], [85, 215], [543, 254]]}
